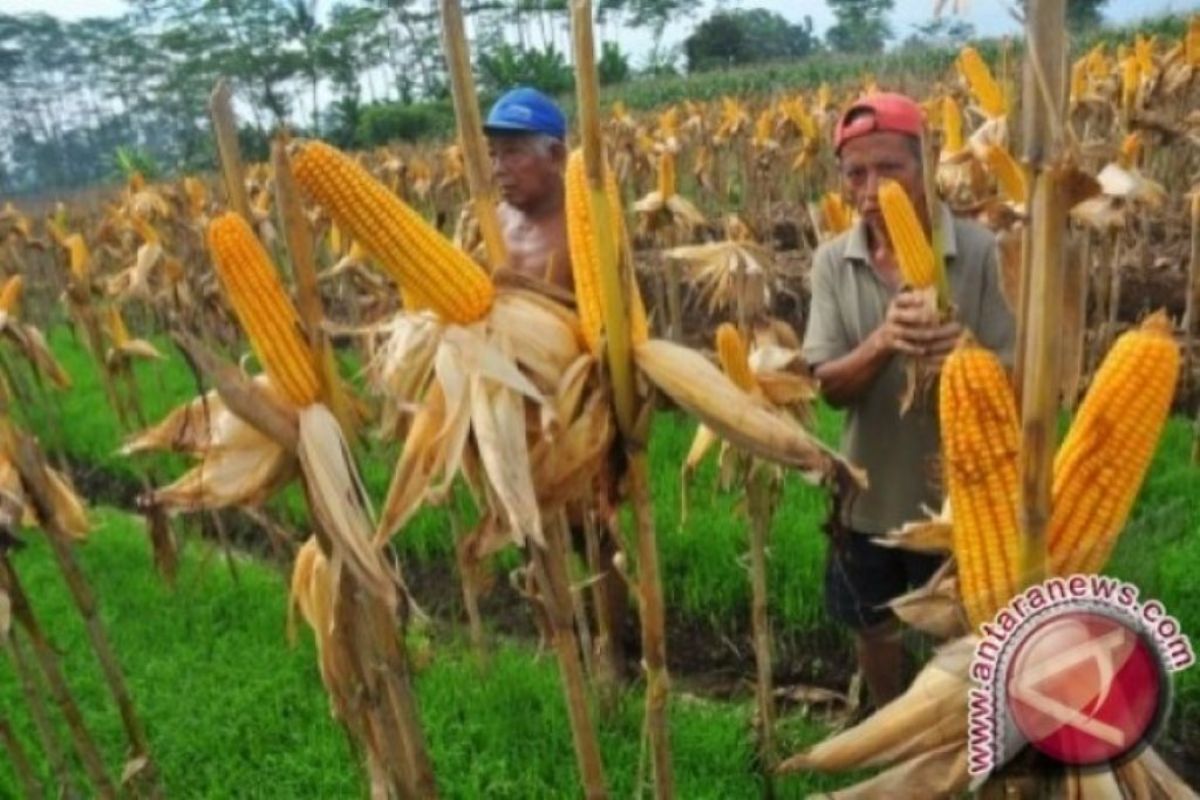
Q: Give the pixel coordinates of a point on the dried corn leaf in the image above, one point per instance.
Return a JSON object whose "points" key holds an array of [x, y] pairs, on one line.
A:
{"points": [[934, 609], [747, 422], [934, 773], [339, 502]]}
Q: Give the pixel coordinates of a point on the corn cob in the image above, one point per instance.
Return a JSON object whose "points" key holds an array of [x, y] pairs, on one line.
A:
{"points": [[1143, 51], [1009, 175], [987, 93], [667, 180], [117, 332], [1130, 77], [978, 417], [1103, 460], [263, 308], [836, 213], [1131, 148], [10, 295], [731, 352], [909, 241], [952, 126], [585, 254], [1079, 79], [80, 257], [435, 274]]}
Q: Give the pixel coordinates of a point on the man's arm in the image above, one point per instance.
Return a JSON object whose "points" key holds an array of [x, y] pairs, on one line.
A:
{"points": [[846, 369], [905, 329]]}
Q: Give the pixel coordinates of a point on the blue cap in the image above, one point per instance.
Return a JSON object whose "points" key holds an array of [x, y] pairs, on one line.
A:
{"points": [[526, 110]]}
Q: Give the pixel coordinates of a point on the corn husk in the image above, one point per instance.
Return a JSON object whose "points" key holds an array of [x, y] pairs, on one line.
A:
{"points": [[931, 714]]}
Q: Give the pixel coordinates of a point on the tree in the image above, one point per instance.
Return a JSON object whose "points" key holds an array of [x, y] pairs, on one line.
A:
{"points": [[613, 66], [506, 66], [943, 32], [1084, 14], [655, 14], [729, 38], [861, 26]]}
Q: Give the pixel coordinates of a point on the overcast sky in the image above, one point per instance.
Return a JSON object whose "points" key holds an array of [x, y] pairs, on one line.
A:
{"points": [[990, 17]]}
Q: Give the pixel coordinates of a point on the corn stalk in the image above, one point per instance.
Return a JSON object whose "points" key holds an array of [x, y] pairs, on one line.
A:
{"points": [[1042, 275], [614, 279], [376, 703], [760, 502], [220, 106], [30, 464], [1192, 315], [39, 713], [47, 656], [550, 571], [470, 132], [16, 756]]}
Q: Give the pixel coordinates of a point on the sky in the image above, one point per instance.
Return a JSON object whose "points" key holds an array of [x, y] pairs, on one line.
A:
{"points": [[990, 17]]}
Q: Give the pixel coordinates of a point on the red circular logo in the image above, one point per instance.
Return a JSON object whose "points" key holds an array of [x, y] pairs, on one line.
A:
{"points": [[1084, 688]]}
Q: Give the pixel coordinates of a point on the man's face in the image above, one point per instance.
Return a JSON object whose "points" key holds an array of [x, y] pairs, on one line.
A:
{"points": [[525, 170], [869, 159]]}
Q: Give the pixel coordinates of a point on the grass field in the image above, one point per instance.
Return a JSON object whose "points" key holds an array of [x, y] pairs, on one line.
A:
{"points": [[232, 711]]}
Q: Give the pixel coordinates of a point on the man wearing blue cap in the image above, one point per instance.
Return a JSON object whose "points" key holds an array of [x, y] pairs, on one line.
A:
{"points": [[527, 135]]}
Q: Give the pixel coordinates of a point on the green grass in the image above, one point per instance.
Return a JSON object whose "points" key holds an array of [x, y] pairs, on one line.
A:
{"points": [[233, 711], [212, 676]]}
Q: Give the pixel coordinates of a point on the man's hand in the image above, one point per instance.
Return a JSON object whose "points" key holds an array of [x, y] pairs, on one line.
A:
{"points": [[908, 325], [942, 339]]}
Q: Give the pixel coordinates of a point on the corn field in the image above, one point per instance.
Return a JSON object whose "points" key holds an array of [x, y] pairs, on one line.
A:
{"points": [[356, 356]]}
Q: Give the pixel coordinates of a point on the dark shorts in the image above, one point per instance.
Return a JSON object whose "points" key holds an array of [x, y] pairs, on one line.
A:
{"points": [[861, 577]]}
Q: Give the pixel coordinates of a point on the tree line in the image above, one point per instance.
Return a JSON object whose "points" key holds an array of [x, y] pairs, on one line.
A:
{"points": [[83, 101]]}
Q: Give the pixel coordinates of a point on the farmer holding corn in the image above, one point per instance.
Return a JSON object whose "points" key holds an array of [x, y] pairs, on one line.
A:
{"points": [[526, 134], [863, 322]]}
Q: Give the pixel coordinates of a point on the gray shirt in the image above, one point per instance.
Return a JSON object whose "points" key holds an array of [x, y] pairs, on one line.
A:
{"points": [[849, 300]]}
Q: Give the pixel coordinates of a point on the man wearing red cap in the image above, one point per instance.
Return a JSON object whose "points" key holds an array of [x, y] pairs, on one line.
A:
{"points": [[862, 321]]}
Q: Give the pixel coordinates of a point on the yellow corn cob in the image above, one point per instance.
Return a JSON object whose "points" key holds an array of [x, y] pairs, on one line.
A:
{"points": [[1191, 47], [117, 332], [263, 308], [585, 254], [1010, 176], [437, 274], [1130, 77], [1097, 62], [1079, 79], [666, 175], [987, 93], [80, 257], [978, 417], [952, 126], [1131, 148], [1101, 463], [1143, 51], [145, 230], [836, 212], [909, 242], [10, 295], [824, 97], [197, 195], [731, 352]]}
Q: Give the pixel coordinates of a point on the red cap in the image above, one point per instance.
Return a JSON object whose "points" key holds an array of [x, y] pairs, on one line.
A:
{"points": [[879, 112]]}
